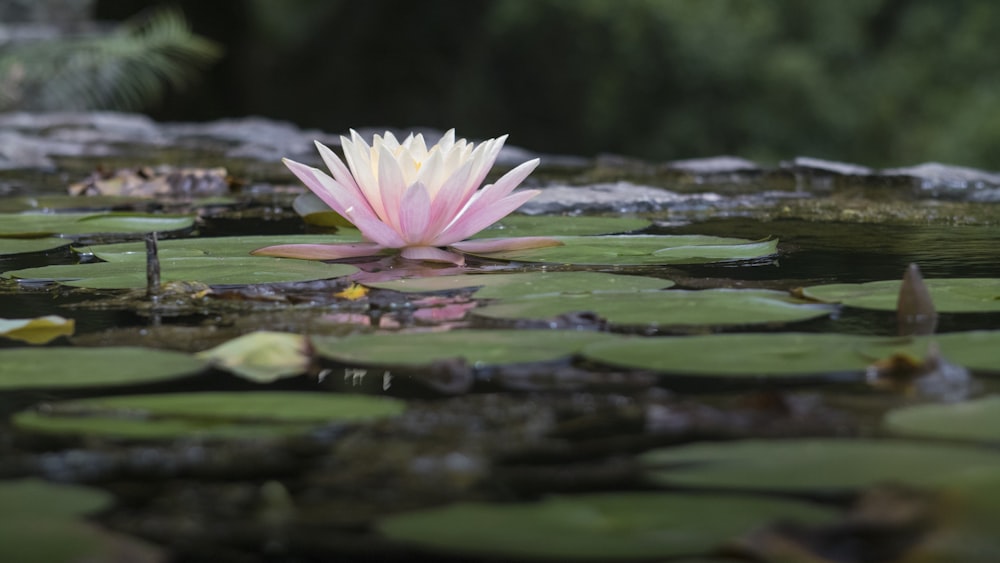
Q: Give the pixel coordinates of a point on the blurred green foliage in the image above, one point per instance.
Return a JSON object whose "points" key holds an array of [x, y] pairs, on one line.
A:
{"points": [[129, 68], [880, 82]]}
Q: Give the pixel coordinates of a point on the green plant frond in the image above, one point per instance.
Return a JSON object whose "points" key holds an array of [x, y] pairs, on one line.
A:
{"points": [[128, 69]]}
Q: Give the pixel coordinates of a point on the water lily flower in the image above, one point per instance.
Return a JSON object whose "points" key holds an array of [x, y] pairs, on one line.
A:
{"points": [[423, 201]]}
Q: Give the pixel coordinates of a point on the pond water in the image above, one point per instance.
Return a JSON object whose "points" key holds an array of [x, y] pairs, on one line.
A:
{"points": [[583, 423]]}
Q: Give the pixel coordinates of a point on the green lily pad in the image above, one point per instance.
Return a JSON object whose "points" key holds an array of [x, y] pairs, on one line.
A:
{"points": [[673, 308], [960, 295], [500, 285], [234, 247], [975, 350], [216, 270], [978, 419], [40, 524], [548, 225], [25, 246], [66, 367], [315, 211], [44, 203], [642, 249], [814, 464], [72, 224], [968, 532], [599, 526], [205, 414], [476, 347], [790, 354], [739, 355]]}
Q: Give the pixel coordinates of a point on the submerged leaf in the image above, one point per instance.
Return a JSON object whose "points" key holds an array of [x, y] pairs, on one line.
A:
{"points": [[816, 464], [596, 526], [205, 414]]}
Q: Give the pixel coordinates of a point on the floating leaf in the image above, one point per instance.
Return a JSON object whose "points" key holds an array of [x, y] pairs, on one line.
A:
{"points": [[205, 414], [315, 211], [49, 368], [500, 285], [960, 295], [38, 330], [975, 350], [665, 309], [814, 464], [598, 526], [548, 225], [476, 347], [977, 419], [49, 203], [72, 224], [739, 355], [261, 356], [24, 246], [642, 249], [220, 270], [40, 524], [235, 247]]}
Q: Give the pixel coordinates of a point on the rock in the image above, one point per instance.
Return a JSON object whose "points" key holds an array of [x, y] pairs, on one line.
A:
{"points": [[619, 197], [713, 165], [951, 182], [820, 166]]}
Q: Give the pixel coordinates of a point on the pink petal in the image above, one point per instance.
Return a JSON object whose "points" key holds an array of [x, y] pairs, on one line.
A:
{"points": [[391, 187], [320, 251], [487, 245], [346, 202], [340, 172], [415, 215], [452, 197], [432, 254], [484, 162], [478, 216], [359, 155]]}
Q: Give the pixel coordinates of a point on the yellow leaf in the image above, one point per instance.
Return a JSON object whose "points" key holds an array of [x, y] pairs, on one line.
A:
{"points": [[353, 293], [262, 356], [38, 330]]}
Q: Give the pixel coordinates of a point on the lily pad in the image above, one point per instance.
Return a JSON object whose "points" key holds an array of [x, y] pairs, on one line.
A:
{"points": [[22, 225], [205, 414], [599, 526], [663, 309], [45, 203], [66, 367], [315, 211], [476, 347], [215, 270], [41, 523], [815, 464], [500, 285], [739, 355], [25, 246], [959, 295], [975, 350], [642, 249], [235, 247], [548, 225], [38, 330], [977, 419]]}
